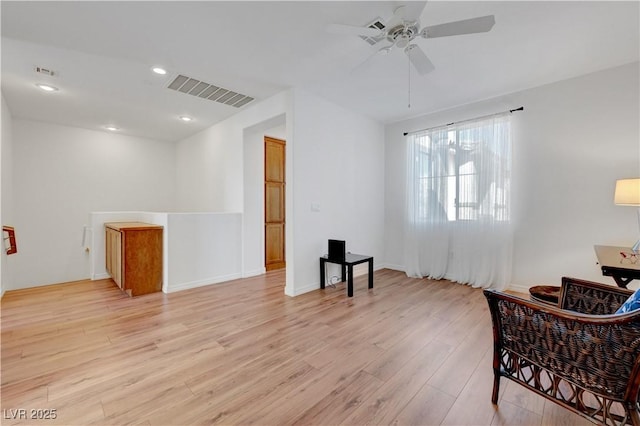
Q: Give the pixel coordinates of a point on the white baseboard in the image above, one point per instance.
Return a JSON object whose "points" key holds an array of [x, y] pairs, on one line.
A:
{"points": [[255, 272], [305, 289], [102, 276], [392, 267], [200, 283]]}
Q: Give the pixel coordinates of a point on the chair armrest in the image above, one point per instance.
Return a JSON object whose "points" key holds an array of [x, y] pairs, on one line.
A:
{"points": [[589, 297], [600, 353]]}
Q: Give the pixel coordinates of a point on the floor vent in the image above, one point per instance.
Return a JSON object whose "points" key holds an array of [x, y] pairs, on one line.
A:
{"points": [[378, 25], [203, 90]]}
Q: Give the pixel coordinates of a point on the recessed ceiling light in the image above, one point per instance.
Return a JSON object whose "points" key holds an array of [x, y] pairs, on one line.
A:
{"points": [[185, 118], [47, 88], [111, 128], [159, 70]]}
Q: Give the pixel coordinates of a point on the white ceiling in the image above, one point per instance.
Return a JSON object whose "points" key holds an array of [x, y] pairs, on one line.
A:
{"points": [[103, 52]]}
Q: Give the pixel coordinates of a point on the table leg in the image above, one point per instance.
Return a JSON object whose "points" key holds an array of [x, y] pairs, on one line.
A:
{"points": [[322, 277], [371, 273], [344, 272], [350, 282], [622, 282]]}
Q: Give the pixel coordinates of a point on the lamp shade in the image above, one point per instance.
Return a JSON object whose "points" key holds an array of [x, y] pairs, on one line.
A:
{"points": [[627, 192]]}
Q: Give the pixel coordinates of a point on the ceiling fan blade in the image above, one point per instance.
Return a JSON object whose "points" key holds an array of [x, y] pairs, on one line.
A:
{"points": [[407, 11], [371, 58], [353, 30], [481, 24], [410, 10], [419, 59]]}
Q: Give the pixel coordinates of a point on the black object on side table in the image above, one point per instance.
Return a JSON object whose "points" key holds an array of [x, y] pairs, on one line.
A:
{"points": [[347, 266]]}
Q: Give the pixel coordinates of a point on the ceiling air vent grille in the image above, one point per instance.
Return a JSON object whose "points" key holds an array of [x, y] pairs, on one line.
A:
{"points": [[203, 90], [378, 25], [45, 71]]}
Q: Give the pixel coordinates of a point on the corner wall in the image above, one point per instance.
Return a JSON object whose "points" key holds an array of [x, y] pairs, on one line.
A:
{"points": [[210, 171], [572, 141], [334, 158], [61, 174], [339, 176]]}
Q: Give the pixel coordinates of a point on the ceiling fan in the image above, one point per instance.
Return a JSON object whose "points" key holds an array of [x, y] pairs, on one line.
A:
{"points": [[404, 27]]}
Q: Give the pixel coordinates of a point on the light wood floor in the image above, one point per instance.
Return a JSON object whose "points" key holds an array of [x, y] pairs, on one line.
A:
{"points": [[408, 352]]}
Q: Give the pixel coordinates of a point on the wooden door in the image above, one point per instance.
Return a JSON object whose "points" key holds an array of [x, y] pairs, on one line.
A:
{"points": [[274, 212]]}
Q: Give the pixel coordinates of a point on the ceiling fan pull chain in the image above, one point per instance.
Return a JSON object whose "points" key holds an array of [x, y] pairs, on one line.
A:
{"points": [[409, 79]]}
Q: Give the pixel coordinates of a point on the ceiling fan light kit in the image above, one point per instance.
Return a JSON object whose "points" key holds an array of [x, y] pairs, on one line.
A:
{"points": [[402, 35]]}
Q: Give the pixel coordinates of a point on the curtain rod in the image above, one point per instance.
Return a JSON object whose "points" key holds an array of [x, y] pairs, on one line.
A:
{"points": [[464, 121]]}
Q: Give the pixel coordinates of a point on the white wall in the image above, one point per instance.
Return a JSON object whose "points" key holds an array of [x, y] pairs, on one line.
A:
{"points": [[571, 142], [209, 163], [339, 166], [203, 249], [210, 167], [335, 158], [6, 198], [61, 174]]}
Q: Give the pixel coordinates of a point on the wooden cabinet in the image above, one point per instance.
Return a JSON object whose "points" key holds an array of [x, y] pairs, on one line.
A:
{"points": [[134, 256]]}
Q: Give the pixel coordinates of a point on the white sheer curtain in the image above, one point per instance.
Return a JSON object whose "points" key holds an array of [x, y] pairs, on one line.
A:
{"points": [[458, 203]]}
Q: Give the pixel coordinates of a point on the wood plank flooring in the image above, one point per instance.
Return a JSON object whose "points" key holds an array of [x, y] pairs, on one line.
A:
{"points": [[408, 352]]}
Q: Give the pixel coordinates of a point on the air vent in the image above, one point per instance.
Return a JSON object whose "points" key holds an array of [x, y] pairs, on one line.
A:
{"points": [[203, 90], [378, 25], [45, 71]]}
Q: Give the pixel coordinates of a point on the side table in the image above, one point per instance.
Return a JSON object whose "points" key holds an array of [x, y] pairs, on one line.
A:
{"points": [[347, 264]]}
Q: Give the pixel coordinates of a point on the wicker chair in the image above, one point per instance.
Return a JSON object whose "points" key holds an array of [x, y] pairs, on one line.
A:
{"points": [[577, 354]]}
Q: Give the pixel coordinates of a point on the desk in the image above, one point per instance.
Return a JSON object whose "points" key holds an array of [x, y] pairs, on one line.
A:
{"points": [[348, 263], [613, 264]]}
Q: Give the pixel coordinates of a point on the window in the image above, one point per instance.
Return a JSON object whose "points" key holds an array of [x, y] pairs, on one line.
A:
{"points": [[462, 173], [458, 196]]}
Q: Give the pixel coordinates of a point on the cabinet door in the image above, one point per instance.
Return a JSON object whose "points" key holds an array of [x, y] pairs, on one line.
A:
{"points": [[114, 255], [108, 236], [142, 261], [117, 263]]}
